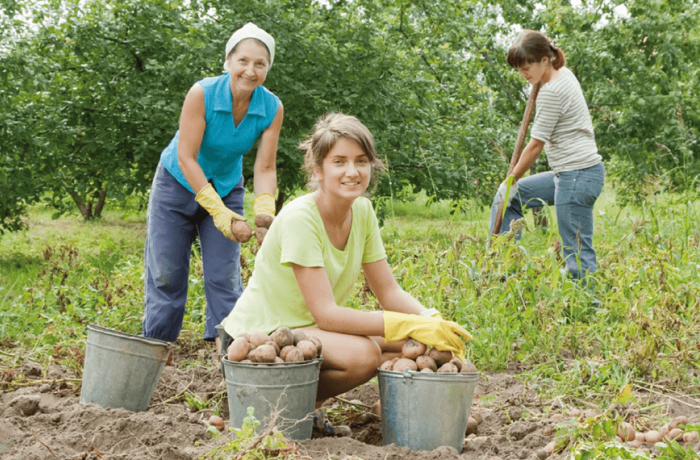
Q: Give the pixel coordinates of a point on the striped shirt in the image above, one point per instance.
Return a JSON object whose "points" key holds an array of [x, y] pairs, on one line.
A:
{"points": [[564, 124]]}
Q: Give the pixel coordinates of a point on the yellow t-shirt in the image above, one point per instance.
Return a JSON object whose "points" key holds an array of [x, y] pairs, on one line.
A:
{"points": [[272, 298]]}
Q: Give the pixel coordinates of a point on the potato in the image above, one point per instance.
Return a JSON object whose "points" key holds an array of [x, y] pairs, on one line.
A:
{"points": [[641, 437], [472, 426], [675, 434], [253, 355], [274, 345], [664, 431], [468, 367], [238, 350], [653, 436], [264, 220], [294, 356], [282, 337], [427, 370], [634, 443], [403, 363], [677, 421], [285, 350], [251, 347], [626, 432], [266, 354], [259, 338], [549, 448], [448, 367], [244, 334], [299, 335], [439, 356], [691, 436], [412, 349], [426, 362], [387, 365], [458, 363], [278, 360], [246, 361], [478, 418], [260, 233], [308, 348], [217, 422], [377, 408], [317, 341], [241, 231]]}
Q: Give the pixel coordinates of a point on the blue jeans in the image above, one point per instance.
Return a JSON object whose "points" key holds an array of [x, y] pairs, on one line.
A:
{"points": [[174, 219], [573, 194]]}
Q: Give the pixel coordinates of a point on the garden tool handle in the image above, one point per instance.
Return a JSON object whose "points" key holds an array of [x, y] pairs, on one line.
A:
{"points": [[518, 150]]}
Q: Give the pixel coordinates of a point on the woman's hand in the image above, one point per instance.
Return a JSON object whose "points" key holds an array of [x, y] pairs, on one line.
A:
{"points": [[434, 332], [223, 217]]}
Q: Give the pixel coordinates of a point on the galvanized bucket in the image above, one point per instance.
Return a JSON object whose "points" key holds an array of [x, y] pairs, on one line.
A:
{"points": [[423, 411], [121, 370], [288, 388]]}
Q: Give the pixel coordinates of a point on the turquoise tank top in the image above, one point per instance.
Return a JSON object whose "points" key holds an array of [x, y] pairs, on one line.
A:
{"points": [[223, 144]]}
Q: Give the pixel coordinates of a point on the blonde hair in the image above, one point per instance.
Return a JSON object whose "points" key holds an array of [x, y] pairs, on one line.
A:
{"points": [[328, 129]]}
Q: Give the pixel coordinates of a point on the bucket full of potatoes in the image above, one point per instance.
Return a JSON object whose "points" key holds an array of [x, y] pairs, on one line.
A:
{"points": [[426, 396], [276, 375]]}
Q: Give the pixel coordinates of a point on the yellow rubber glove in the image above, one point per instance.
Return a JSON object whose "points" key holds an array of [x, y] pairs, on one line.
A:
{"points": [[434, 332], [431, 312], [264, 204], [223, 216]]}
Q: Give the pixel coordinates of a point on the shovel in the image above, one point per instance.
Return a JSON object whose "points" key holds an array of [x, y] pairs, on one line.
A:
{"points": [[519, 143]]}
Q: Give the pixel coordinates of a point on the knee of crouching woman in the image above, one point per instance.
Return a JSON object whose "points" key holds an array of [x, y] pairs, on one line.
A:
{"points": [[369, 359]]}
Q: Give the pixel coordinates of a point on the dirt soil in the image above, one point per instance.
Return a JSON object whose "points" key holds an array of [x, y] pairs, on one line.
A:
{"points": [[44, 420]]}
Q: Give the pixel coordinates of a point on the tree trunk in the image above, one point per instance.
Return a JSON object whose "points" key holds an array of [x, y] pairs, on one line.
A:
{"points": [[86, 209], [100, 203]]}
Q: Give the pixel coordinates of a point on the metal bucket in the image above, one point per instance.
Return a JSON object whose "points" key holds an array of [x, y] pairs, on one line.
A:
{"points": [[423, 411], [289, 388], [121, 370]]}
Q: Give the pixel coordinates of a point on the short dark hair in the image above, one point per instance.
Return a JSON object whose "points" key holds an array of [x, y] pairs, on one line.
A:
{"points": [[531, 46]]}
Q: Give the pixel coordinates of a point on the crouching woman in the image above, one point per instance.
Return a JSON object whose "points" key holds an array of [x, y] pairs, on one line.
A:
{"points": [[311, 259]]}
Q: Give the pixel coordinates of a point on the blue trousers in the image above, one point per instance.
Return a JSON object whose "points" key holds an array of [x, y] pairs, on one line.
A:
{"points": [[174, 219], [573, 193]]}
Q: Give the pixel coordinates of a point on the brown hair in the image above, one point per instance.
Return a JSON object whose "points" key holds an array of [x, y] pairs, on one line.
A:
{"points": [[328, 129], [531, 46]]}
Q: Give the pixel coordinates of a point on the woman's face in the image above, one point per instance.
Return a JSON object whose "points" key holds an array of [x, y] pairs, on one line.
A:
{"points": [[536, 71], [248, 65], [346, 171]]}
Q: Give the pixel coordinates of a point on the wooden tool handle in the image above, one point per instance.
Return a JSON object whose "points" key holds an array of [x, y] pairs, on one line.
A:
{"points": [[518, 150]]}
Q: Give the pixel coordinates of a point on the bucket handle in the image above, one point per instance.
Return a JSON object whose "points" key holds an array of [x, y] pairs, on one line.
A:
{"points": [[407, 374]]}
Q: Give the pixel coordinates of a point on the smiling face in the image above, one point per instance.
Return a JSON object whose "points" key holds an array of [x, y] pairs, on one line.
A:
{"points": [[248, 64], [534, 72], [346, 171]]}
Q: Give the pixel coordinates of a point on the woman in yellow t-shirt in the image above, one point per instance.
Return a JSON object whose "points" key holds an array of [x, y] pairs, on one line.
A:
{"points": [[312, 257]]}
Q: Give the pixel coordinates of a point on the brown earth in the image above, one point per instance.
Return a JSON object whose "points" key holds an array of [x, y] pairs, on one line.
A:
{"points": [[44, 420]]}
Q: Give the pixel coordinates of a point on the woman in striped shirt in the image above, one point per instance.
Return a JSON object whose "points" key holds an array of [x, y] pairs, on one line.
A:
{"points": [[563, 127]]}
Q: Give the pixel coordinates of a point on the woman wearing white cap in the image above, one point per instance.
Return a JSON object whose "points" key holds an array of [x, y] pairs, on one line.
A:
{"points": [[198, 186]]}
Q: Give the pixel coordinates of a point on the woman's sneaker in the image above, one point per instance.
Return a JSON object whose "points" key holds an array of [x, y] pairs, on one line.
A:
{"points": [[324, 428]]}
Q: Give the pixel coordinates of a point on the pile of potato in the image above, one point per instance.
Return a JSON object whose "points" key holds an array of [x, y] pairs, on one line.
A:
{"points": [[417, 357], [282, 346], [243, 233], [669, 432]]}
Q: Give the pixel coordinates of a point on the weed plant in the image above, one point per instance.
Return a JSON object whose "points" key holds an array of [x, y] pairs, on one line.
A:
{"points": [[636, 322]]}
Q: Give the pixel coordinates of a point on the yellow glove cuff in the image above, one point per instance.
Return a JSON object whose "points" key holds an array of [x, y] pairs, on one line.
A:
{"points": [[264, 204]]}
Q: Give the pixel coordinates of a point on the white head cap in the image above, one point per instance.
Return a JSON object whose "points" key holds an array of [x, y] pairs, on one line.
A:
{"points": [[250, 30]]}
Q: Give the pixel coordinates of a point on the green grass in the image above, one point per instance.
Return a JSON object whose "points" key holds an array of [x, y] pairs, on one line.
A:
{"points": [[59, 276]]}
